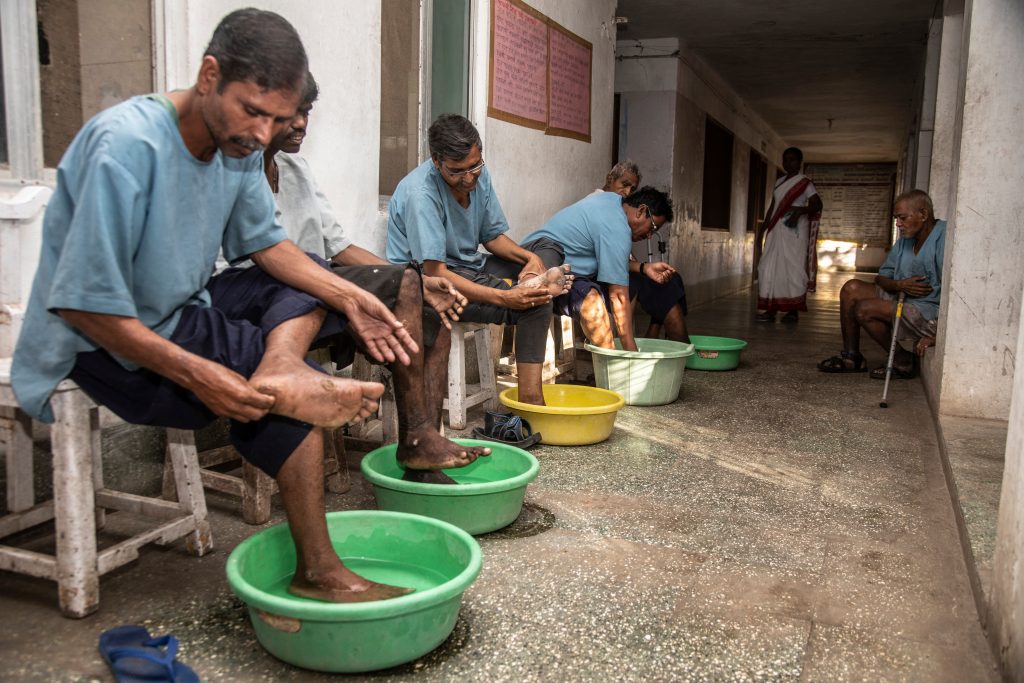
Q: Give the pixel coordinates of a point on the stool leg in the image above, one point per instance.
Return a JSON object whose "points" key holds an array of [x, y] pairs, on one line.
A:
{"points": [[257, 488], [338, 478], [96, 446], [181, 447], [485, 365], [457, 380], [74, 506], [20, 485]]}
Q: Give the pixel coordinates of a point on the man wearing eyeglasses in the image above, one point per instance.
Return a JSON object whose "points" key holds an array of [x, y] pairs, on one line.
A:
{"points": [[439, 216], [596, 234]]}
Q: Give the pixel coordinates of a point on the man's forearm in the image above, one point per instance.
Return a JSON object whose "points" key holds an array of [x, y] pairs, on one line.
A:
{"points": [[357, 256], [502, 246], [130, 339], [287, 263], [887, 283], [473, 292]]}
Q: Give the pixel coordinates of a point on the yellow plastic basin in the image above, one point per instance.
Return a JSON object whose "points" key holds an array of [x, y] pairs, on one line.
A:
{"points": [[573, 416]]}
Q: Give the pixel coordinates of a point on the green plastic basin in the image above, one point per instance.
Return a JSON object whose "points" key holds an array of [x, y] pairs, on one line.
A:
{"points": [[650, 376], [437, 559], [715, 353], [489, 495]]}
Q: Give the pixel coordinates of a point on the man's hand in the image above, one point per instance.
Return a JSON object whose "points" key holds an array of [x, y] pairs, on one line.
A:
{"points": [[922, 345], [534, 266], [659, 271], [383, 336], [915, 286], [522, 298], [444, 298], [226, 393]]}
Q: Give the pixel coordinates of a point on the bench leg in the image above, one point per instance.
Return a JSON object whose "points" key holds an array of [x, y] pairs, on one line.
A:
{"points": [[485, 365], [181, 446], [338, 478], [74, 505], [457, 381], [96, 445], [257, 488], [20, 482]]}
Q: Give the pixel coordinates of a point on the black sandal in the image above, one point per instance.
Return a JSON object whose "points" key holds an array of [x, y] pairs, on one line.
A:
{"points": [[838, 364], [508, 429], [897, 373]]}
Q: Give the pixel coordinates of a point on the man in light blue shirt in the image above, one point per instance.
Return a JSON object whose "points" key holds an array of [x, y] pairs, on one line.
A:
{"points": [[913, 268], [439, 216], [124, 304], [597, 234]]}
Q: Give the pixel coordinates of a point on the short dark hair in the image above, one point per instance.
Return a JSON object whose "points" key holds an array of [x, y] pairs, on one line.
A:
{"points": [[794, 150], [657, 201], [310, 92], [452, 136], [261, 47]]}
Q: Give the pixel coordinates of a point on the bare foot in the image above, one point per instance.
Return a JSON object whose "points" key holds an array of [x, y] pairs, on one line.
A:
{"points": [[556, 280], [428, 477], [340, 590], [425, 449], [305, 394]]}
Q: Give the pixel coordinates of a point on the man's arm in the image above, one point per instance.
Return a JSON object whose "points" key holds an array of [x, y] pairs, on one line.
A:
{"points": [[357, 256], [623, 314], [517, 298], [914, 286], [503, 247], [383, 335], [222, 390]]}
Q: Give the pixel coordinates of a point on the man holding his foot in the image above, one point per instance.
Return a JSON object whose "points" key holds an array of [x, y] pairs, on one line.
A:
{"points": [[597, 233], [124, 304], [913, 267], [439, 216], [420, 387]]}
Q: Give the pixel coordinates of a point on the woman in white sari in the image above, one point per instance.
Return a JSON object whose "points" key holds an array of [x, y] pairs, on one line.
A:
{"points": [[789, 261]]}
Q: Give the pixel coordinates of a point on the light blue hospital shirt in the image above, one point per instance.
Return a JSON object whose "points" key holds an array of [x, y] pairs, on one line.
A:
{"points": [[133, 229], [595, 236], [426, 223], [902, 263]]}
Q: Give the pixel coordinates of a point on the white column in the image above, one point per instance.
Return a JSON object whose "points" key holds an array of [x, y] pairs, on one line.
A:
{"points": [[19, 34]]}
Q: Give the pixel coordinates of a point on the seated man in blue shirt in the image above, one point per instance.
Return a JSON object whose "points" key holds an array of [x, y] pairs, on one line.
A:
{"points": [[597, 233], [914, 268], [124, 304], [442, 212], [309, 221], [655, 285]]}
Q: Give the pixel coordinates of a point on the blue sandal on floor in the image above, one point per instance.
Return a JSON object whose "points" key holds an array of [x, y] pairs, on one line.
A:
{"points": [[508, 429], [136, 657]]}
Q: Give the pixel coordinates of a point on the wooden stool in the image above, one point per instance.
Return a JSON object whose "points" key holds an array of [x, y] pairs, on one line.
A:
{"points": [[462, 396], [80, 501], [559, 351], [387, 410], [252, 485]]}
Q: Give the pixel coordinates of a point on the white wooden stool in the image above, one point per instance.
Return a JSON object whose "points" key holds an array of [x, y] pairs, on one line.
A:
{"points": [[254, 486], [80, 500], [463, 396]]}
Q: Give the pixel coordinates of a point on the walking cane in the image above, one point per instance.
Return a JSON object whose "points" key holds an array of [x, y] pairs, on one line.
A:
{"points": [[892, 349]]}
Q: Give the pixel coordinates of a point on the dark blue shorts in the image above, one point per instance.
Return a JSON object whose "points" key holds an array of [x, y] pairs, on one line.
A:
{"points": [[657, 299], [246, 305], [570, 302]]}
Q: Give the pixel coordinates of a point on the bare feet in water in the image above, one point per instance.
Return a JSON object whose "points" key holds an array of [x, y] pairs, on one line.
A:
{"points": [[342, 585], [556, 280], [425, 453], [321, 400]]}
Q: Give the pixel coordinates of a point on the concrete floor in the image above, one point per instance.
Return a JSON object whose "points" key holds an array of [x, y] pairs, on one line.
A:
{"points": [[772, 524]]}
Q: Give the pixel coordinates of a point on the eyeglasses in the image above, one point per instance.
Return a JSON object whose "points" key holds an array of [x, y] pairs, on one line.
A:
{"points": [[461, 174], [654, 226]]}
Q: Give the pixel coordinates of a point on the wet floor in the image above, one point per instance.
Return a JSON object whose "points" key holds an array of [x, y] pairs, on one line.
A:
{"points": [[772, 524]]}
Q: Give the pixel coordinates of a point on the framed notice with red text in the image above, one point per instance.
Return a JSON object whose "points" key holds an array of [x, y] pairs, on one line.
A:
{"points": [[540, 72]]}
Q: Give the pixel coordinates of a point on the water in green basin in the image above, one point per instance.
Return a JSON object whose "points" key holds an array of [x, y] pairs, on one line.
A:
{"points": [[393, 573]]}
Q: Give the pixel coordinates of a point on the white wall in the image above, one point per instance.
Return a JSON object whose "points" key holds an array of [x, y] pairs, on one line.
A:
{"points": [[342, 40], [536, 175]]}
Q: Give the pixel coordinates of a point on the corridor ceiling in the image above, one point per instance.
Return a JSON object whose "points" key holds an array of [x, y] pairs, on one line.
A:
{"points": [[838, 78]]}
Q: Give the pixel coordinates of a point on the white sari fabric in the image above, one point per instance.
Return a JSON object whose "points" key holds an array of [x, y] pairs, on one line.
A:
{"points": [[788, 265]]}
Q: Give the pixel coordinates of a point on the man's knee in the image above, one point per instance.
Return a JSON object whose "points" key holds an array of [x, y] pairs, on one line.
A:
{"points": [[411, 284]]}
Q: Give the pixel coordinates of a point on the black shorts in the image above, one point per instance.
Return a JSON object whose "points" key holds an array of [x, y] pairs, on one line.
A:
{"points": [[658, 299]]}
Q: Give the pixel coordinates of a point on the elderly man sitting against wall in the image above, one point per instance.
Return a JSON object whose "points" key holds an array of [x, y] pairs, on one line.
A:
{"points": [[913, 267]]}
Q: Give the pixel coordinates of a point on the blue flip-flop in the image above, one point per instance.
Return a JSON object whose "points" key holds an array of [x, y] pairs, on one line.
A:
{"points": [[137, 657], [507, 428]]}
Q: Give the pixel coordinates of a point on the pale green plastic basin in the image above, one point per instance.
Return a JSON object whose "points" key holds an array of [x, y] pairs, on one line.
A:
{"points": [[489, 494], [437, 559], [650, 376], [715, 353]]}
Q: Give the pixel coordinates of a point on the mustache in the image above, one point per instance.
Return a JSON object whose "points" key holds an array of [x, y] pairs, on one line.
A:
{"points": [[251, 144]]}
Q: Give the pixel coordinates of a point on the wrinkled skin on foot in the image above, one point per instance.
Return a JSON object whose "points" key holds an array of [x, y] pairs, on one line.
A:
{"points": [[428, 477], [334, 591], [425, 449], [556, 281], [321, 400]]}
